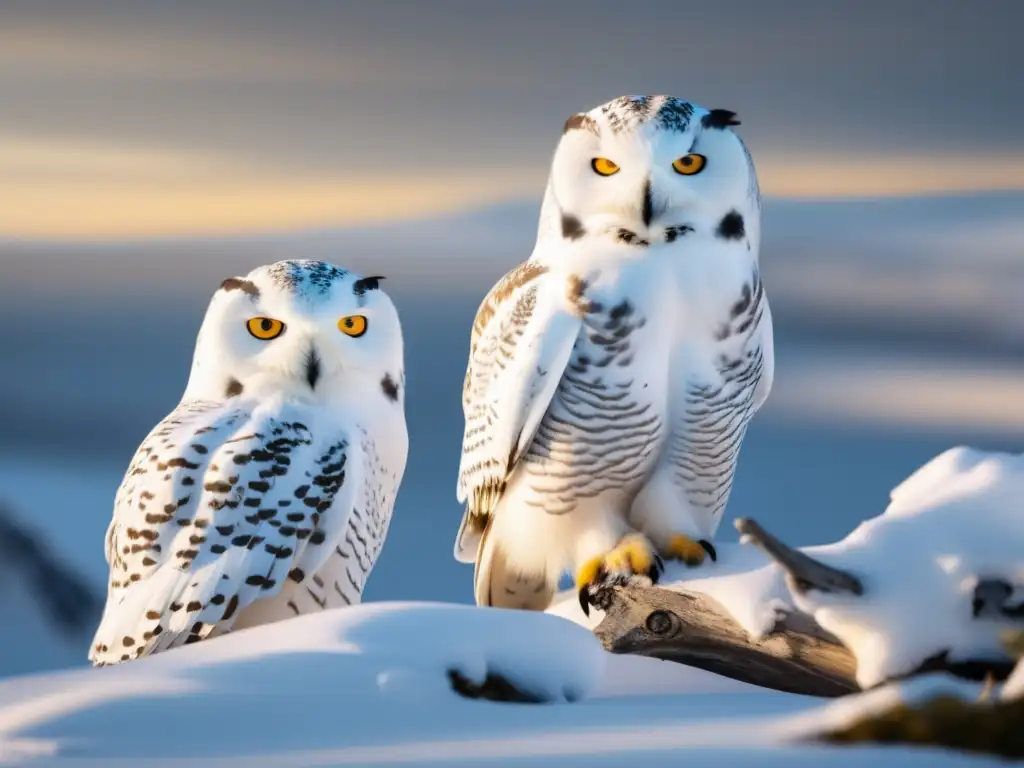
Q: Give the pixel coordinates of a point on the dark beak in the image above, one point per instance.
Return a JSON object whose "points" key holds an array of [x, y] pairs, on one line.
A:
{"points": [[648, 204], [312, 368]]}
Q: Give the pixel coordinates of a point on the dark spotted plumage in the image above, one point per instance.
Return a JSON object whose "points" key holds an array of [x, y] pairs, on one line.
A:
{"points": [[630, 237], [572, 229], [704, 444], [234, 388], [595, 405], [482, 474], [745, 313], [240, 284], [580, 123], [364, 284], [674, 233], [675, 115], [719, 118], [630, 112], [220, 508], [731, 226], [512, 281], [305, 277], [389, 387]]}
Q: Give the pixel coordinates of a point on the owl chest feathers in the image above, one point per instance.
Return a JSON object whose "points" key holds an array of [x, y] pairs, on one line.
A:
{"points": [[604, 427], [664, 367]]}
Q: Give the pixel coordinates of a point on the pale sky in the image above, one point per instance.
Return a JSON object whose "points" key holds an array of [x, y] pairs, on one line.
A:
{"points": [[144, 118]]}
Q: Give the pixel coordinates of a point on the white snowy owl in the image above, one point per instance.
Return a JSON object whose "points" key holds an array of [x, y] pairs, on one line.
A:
{"points": [[612, 376], [268, 491]]}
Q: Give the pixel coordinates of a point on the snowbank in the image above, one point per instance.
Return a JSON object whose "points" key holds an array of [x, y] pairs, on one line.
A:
{"points": [[953, 522], [370, 686], [345, 675]]}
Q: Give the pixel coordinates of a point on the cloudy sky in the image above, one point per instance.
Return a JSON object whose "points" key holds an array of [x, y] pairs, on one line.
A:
{"points": [[141, 118]]}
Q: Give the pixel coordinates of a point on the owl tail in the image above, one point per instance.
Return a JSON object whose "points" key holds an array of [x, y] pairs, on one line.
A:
{"points": [[498, 583]]}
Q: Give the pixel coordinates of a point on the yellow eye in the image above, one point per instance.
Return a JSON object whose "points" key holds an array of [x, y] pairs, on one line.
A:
{"points": [[353, 325], [265, 328], [688, 165], [604, 166]]}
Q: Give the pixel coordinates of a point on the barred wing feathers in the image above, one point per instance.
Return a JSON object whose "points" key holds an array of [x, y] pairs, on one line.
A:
{"points": [[522, 341], [219, 507]]}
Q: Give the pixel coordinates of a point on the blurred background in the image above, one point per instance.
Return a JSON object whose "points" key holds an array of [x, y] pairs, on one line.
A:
{"points": [[150, 150]]}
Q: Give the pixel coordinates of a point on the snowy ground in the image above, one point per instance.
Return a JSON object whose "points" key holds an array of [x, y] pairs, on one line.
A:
{"points": [[370, 685]]}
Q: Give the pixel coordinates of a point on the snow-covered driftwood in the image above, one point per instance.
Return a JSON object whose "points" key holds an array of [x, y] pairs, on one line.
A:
{"points": [[795, 655]]}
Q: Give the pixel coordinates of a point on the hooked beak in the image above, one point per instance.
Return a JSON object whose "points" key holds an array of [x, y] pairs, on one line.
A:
{"points": [[312, 367]]}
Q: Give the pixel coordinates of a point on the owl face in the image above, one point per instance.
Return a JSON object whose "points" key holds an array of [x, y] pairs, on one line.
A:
{"points": [[650, 166], [303, 329]]}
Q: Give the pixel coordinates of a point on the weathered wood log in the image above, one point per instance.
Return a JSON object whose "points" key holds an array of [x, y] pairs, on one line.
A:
{"points": [[796, 656], [803, 573], [690, 628]]}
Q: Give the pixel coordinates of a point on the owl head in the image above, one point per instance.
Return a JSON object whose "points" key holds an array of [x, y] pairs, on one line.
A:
{"points": [[646, 169], [305, 330]]}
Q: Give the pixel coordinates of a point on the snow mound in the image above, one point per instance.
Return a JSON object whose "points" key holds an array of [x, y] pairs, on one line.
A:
{"points": [[955, 521], [952, 523], [356, 670], [369, 685]]}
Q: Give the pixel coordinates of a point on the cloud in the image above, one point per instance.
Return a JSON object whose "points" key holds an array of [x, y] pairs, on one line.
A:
{"points": [[60, 188], [55, 189], [124, 118]]}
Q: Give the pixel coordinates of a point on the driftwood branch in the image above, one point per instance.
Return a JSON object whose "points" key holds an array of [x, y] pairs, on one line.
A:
{"points": [[796, 656], [803, 573]]}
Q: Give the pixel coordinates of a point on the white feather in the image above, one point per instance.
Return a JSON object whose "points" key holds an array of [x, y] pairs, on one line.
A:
{"points": [[511, 385]]}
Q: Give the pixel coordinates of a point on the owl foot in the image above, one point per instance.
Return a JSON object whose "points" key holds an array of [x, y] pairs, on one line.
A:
{"points": [[691, 551], [634, 556]]}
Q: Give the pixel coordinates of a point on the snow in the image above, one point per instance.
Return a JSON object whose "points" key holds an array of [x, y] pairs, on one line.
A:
{"points": [[952, 522], [368, 686]]}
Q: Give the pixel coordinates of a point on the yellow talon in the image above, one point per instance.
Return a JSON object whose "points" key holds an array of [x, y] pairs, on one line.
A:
{"points": [[633, 555], [684, 548], [588, 572]]}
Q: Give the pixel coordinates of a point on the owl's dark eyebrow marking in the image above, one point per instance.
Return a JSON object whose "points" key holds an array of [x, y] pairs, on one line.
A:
{"points": [[580, 123], [719, 118], [364, 284], [238, 284]]}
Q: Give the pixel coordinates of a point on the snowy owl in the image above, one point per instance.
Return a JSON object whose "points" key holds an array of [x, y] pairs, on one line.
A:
{"points": [[612, 375], [268, 491]]}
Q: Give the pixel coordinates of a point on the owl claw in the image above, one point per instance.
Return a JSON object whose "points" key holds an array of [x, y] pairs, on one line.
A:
{"points": [[690, 551], [710, 549], [585, 601], [634, 556]]}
